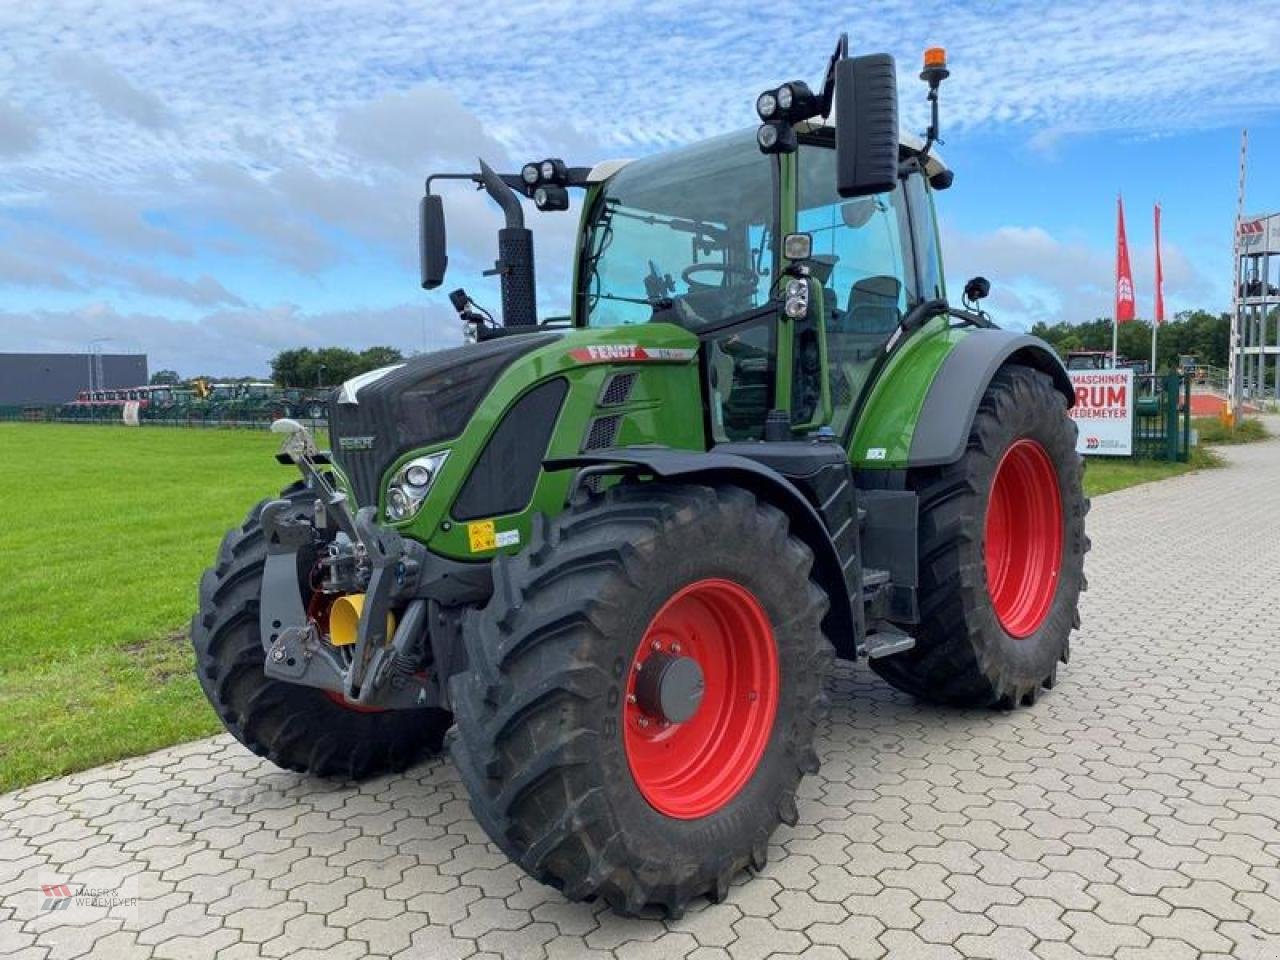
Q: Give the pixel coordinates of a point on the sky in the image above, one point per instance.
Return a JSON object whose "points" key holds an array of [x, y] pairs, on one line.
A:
{"points": [[211, 183]]}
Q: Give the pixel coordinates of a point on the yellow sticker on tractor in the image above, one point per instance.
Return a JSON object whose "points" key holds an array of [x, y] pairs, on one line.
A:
{"points": [[482, 536]]}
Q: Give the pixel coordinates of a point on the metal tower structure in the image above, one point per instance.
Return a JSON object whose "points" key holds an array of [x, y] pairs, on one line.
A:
{"points": [[1256, 344], [1255, 294]]}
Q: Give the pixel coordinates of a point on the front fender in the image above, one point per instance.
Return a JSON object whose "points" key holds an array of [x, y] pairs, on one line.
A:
{"points": [[845, 620]]}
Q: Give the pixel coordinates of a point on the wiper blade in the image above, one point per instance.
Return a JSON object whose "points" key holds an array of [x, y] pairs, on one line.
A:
{"points": [[660, 303]]}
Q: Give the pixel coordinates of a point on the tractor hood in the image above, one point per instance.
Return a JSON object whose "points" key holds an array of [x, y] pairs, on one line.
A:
{"points": [[378, 416]]}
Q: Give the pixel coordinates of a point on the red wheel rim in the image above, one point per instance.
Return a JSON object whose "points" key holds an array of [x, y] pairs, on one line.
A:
{"points": [[1023, 538], [692, 769]]}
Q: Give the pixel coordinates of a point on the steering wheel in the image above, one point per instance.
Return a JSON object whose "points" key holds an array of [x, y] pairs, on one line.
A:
{"points": [[726, 271]]}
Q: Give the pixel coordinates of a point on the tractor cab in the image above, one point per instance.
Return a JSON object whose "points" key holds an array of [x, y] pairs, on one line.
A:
{"points": [[1089, 360], [695, 238]]}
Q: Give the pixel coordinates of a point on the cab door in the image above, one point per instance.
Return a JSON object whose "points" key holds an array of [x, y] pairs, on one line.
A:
{"points": [[862, 260]]}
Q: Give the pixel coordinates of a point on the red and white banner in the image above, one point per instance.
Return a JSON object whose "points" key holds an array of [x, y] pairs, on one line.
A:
{"points": [[1124, 276], [1159, 311], [1103, 411]]}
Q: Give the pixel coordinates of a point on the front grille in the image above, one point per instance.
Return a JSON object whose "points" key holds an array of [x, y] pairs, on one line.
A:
{"points": [[428, 399], [618, 389], [603, 432]]}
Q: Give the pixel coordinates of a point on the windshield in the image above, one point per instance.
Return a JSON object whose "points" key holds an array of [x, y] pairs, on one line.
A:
{"points": [[686, 237]]}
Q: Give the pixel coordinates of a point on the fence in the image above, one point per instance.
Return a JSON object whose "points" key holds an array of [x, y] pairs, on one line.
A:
{"points": [[114, 417], [1162, 416]]}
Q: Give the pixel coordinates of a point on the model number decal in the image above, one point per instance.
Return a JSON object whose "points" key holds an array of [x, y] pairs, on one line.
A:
{"points": [[876, 453]]}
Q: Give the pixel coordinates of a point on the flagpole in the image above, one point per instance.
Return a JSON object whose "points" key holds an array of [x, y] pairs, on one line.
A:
{"points": [[1157, 313], [1115, 310]]}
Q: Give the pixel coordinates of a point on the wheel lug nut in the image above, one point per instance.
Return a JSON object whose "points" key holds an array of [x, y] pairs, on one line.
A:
{"points": [[675, 648], [643, 721], [631, 698], [656, 645]]}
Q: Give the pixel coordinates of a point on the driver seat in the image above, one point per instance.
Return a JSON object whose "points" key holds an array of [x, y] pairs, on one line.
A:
{"points": [[873, 305]]}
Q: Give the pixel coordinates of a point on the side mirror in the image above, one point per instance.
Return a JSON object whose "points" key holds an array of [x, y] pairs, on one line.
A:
{"points": [[433, 250], [977, 289], [866, 125]]}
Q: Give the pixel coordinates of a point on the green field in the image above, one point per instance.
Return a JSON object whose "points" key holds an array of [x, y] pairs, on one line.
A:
{"points": [[105, 532]]}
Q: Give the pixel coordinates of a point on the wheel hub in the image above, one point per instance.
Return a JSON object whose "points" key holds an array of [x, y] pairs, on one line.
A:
{"points": [[669, 688], [701, 699]]}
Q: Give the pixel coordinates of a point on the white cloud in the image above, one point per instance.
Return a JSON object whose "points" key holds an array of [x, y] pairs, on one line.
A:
{"points": [[1036, 276], [228, 342], [17, 133], [139, 149], [112, 90]]}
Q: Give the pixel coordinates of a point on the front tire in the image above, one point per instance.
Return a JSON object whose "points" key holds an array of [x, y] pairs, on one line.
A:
{"points": [[295, 727], [565, 734], [1002, 547]]}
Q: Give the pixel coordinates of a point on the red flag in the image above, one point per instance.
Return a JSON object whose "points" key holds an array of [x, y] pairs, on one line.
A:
{"points": [[1124, 276], [1159, 273]]}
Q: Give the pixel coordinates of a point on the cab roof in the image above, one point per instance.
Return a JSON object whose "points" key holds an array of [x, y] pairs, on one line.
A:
{"points": [[909, 142]]}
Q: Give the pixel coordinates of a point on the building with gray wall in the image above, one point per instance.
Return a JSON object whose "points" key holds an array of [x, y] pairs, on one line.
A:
{"points": [[47, 378]]}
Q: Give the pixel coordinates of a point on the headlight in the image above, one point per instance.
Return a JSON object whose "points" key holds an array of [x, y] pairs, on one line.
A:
{"points": [[766, 104], [784, 96], [797, 299], [529, 173], [409, 486], [767, 136]]}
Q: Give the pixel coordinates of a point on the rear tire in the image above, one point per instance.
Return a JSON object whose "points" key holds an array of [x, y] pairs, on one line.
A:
{"points": [[565, 772], [1000, 576], [295, 727]]}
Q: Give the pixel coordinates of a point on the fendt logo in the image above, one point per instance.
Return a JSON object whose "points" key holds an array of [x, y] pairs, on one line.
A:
{"points": [[355, 443], [57, 896]]}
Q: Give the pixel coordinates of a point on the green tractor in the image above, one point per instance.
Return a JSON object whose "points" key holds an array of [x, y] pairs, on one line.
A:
{"points": [[612, 557]]}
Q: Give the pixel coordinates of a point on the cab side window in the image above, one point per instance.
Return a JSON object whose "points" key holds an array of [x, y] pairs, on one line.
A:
{"points": [[863, 262]]}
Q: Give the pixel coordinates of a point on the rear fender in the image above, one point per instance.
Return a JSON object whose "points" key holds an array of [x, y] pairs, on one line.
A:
{"points": [[942, 430]]}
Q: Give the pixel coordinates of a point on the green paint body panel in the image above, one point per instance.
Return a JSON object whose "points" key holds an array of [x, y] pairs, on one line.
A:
{"points": [[887, 421], [664, 407]]}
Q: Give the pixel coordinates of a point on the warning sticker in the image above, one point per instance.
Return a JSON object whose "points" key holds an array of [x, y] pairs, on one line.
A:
{"points": [[481, 536]]}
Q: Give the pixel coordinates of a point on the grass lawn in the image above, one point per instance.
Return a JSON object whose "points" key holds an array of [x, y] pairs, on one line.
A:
{"points": [[1106, 475], [105, 532]]}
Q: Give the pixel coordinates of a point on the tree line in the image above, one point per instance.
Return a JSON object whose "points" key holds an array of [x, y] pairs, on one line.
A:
{"points": [[305, 367], [1199, 333]]}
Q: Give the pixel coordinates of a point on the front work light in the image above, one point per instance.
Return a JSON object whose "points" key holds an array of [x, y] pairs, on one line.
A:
{"points": [[767, 105], [776, 138], [529, 173], [551, 197]]}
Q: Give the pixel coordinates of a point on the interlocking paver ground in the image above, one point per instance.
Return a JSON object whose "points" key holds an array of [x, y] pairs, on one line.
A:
{"points": [[1134, 812]]}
